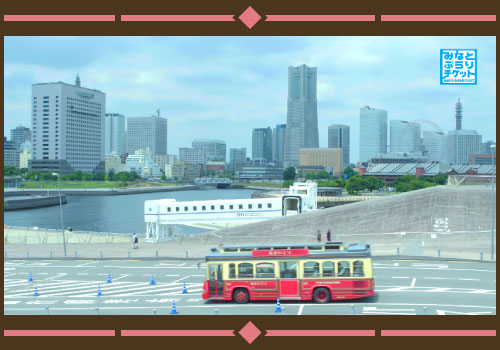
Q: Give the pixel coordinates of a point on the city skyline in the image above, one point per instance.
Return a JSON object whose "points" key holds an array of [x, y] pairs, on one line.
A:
{"points": [[241, 83]]}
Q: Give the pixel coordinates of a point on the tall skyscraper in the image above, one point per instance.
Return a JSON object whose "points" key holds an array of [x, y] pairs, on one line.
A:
{"points": [[302, 113], [404, 136], [435, 146], [372, 133], [67, 128], [144, 132], [19, 135], [279, 143], [214, 149], [462, 143], [339, 137], [262, 144], [458, 115], [115, 133], [237, 158]]}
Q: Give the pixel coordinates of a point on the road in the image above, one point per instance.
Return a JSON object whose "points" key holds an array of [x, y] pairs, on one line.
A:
{"points": [[70, 287]]}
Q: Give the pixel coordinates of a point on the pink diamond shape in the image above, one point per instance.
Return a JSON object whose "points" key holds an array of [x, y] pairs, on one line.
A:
{"points": [[250, 332], [249, 17]]}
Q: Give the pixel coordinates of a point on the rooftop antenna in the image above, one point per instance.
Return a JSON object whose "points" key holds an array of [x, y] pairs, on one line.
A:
{"points": [[158, 112], [77, 80]]}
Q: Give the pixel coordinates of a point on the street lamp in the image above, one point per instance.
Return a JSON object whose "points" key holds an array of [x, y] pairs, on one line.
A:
{"points": [[492, 147], [60, 207]]}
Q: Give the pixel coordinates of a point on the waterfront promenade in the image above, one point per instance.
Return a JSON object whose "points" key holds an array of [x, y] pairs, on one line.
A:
{"points": [[46, 244]]}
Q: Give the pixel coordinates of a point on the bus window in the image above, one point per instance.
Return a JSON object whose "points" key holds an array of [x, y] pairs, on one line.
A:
{"points": [[232, 271], [328, 269], [344, 269], [288, 269], [311, 269], [245, 270], [265, 270], [357, 269]]}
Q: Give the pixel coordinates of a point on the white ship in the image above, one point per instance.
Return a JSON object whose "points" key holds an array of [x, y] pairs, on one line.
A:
{"points": [[161, 213]]}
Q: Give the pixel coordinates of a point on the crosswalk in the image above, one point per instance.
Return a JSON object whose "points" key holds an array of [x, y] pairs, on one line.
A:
{"points": [[16, 288]]}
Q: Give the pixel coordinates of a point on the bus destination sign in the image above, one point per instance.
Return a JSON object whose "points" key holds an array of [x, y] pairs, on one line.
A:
{"points": [[281, 252]]}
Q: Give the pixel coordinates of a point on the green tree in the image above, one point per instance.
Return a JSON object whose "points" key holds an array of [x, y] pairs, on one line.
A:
{"points": [[349, 171], [111, 175], [441, 179], [87, 177], [99, 177], [78, 175], [164, 177], [372, 183], [322, 175], [289, 174], [310, 176], [354, 184], [287, 183]]}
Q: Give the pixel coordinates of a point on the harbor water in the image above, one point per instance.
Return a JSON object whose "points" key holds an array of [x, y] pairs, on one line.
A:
{"points": [[116, 214]]}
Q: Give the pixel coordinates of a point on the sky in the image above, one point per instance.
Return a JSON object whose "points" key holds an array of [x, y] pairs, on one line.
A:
{"points": [[224, 87]]}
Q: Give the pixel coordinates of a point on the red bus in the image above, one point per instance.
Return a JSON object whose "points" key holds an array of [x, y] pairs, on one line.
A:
{"points": [[315, 271]]}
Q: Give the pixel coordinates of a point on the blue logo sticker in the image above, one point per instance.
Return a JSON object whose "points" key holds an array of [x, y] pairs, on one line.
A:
{"points": [[458, 67]]}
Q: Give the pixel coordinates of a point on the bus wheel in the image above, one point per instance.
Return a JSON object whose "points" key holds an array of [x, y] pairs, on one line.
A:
{"points": [[241, 296], [321, 296]]}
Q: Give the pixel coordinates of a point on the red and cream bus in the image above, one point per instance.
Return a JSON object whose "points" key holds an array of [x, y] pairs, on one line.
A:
{"points": [[315, 271]]}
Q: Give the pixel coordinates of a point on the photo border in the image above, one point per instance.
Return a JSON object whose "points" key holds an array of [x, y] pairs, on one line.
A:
{"points": [[460, 331]]}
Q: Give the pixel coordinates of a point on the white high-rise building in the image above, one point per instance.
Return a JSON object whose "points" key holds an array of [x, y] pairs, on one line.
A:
{"points": [[404, 136], [338, 137], [302, 113], [144, 132], [461, 143], [115, 133], [435, 146], [67, 127], [372, 133]]}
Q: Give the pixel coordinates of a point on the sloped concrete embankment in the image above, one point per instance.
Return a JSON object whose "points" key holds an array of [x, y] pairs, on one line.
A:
{"points": [[433, 221]]}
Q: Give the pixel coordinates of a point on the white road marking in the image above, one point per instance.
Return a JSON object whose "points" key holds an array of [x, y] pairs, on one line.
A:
{"points": [[172, 275], [88, 263], [54, 277], [444, 312], [413, 282], [11, 302], [300, 309], [181, 279]]}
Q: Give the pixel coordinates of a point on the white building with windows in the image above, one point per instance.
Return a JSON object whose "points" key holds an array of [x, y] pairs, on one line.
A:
{"points": [[462, 143], [404, 136], [435, 146], [67, 125], [115, 133], [372, 133]]}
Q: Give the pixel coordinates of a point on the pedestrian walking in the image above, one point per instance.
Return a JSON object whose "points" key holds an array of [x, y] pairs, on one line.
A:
{"points": [[319, 236], [135, 239], [328, 236]]}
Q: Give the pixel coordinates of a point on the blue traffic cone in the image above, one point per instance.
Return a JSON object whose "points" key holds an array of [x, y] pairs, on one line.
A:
{"points": [[99, 290], [109, 278], [152, 279], [174, 311], [36, 292], [30, 278], [184, 290], [278, 306]]}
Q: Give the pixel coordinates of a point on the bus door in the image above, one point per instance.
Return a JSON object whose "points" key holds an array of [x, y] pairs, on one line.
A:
{"points": [[215, 281], [289, 282]]}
